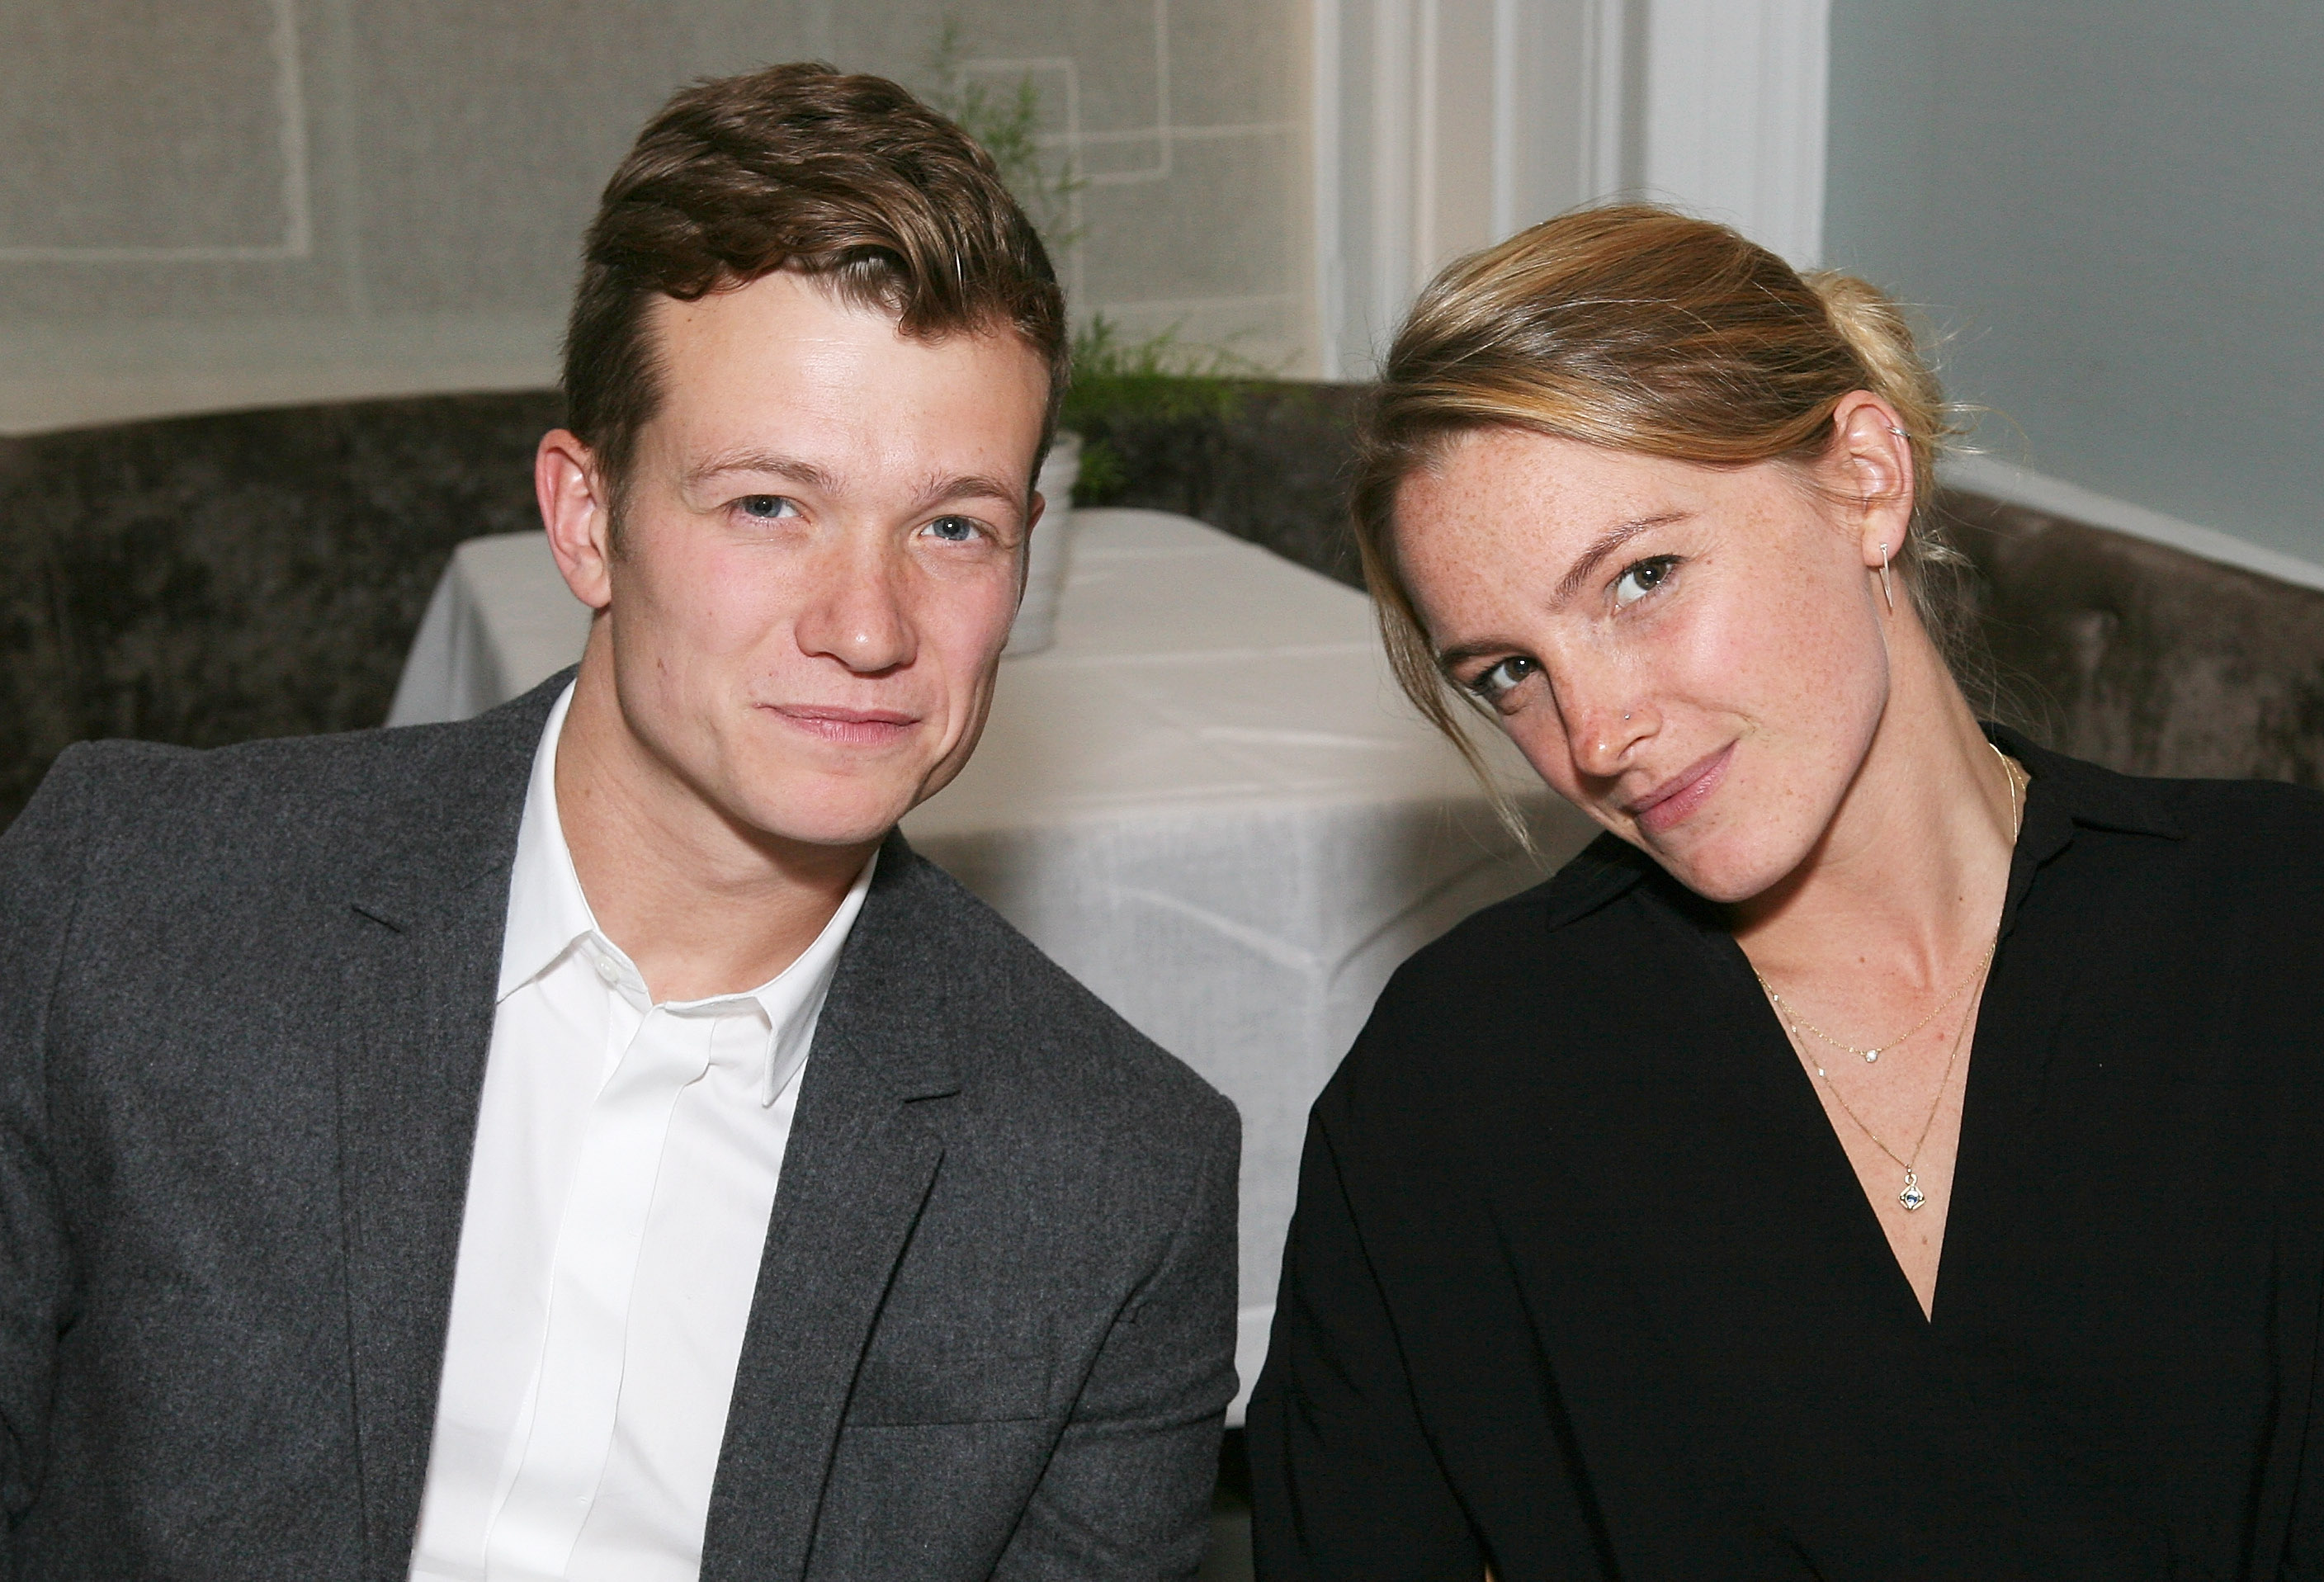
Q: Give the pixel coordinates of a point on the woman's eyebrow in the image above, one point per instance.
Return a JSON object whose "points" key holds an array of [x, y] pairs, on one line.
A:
{"points": [[1605, 543]]}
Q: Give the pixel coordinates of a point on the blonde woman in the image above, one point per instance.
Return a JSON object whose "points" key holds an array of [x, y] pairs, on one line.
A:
{"points": [[1891, 1150]]}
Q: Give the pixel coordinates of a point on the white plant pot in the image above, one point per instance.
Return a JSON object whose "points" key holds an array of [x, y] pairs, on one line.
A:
{"points": [[1049, 556]]}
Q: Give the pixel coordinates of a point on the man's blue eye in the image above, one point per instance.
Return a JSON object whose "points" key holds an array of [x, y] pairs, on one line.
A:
{"points": [[767, 507], [953, 530]]}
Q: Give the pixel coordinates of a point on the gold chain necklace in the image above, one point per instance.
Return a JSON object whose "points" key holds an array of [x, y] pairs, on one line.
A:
{"points": [[1912, 1197], [1798, 1023]]}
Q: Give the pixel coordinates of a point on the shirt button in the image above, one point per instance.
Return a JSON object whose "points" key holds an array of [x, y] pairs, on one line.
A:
{"points": [[607, 970]]}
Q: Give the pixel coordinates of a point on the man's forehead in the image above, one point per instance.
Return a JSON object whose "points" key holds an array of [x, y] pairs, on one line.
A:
{"points": [[782, 343], [790, 311]]}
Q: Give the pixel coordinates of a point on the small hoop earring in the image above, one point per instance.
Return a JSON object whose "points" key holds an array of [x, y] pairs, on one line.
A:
{"points": [[1886, 592]]}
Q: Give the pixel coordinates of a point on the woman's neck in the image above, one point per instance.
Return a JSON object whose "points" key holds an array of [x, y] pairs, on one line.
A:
{"points": [[1912, 869]]}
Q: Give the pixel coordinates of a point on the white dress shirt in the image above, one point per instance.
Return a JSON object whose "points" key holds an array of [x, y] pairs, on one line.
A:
{"points": [[626, 1159]]}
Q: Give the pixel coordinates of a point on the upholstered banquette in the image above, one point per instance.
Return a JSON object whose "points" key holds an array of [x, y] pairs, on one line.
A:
{"points": [[203, 580]]}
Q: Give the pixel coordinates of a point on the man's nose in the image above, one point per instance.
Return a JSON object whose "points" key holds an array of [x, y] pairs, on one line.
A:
{"points": [[855, 613]]}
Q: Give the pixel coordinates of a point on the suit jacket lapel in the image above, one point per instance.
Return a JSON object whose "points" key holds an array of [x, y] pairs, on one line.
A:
{"points": [[859, 1167], [428, 919]]}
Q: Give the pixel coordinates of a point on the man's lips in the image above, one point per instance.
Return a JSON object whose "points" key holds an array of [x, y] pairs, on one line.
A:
{"points": [[846, 727], [1669, 803]]}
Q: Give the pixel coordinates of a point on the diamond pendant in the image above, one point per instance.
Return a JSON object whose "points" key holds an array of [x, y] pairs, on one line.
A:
{"points": [[1870, 1055], [1912, 1197]]}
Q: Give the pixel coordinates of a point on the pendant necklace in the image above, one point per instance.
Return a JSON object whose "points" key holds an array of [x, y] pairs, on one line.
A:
{"points": [[1910, 1197]]}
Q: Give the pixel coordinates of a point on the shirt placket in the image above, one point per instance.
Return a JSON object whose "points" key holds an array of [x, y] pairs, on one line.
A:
{"points": [[578, 1389]]}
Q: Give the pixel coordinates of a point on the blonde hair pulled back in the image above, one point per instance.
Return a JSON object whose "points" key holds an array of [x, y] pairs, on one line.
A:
{"points": [[1642, 330]]}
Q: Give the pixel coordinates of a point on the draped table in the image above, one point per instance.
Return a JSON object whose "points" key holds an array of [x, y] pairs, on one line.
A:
{"points": [[1208, 801]]}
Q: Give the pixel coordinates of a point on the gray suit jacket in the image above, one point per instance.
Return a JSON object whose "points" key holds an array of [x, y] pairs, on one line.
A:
{"points": [[246, 1000]]}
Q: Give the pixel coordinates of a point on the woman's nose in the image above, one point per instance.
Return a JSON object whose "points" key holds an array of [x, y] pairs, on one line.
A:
{"points": [[1603, 738]]}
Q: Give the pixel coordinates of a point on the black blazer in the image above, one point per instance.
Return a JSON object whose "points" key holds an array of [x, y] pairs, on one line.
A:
{"points": [[246, 1000], [1581, 1283]]}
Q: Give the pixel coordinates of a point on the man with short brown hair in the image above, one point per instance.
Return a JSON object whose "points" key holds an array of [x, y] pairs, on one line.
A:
{"points": [[586, 1142]]}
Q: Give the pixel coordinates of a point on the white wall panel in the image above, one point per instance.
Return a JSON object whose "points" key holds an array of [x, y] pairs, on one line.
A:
{"points": [[216, 203], [1732, 120], [1441, 126], [145, 130]]}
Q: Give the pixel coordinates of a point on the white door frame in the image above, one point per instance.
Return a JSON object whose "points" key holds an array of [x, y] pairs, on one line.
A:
{"points": [[1716, 105]]}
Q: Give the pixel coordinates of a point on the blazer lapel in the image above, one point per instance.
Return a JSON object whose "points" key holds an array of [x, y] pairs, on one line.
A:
{"points": [[859, 1167], [428, 919]]}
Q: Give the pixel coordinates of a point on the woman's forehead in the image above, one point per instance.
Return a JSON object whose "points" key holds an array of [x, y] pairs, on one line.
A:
{"points": [[1541, 489]]}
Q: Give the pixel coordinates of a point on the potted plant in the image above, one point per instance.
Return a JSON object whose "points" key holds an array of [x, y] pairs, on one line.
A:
{"points": [[1115, 379]]}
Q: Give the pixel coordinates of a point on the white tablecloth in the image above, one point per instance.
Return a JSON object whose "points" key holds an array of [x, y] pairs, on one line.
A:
{"points": [[1208, 802]]}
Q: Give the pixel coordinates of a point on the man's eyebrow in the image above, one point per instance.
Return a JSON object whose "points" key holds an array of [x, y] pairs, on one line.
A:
{"points": [[1605, 543], [959, 486], [975, 486], [758, 461]]}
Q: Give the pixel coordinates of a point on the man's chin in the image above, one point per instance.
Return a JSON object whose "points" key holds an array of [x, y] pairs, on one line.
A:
{"points": [[813, 816]]}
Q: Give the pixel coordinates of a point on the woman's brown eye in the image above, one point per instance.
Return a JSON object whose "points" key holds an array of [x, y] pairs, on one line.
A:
{"points": [[1496, 682], [1643, 578]]}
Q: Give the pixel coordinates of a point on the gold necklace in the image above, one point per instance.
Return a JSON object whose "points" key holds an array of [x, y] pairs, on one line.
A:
{"points": [[1912, 1197], [1798, 1023]]}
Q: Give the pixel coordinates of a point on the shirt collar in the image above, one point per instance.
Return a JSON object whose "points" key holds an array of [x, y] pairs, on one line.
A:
{"points": [[2068, 791], [2066, 795], [548, 913], [549, 916]]}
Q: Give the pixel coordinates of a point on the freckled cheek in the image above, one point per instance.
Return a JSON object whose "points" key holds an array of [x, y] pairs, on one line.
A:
{"points": [[1540, 735], [1725, 653]]}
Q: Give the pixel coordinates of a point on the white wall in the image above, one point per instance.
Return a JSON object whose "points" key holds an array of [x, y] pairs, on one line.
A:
{"points": [[2112, 210], [1443, 126], [216, 203]]}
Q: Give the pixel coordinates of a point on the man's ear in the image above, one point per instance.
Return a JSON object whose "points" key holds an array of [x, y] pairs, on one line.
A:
{"points": [[1025, 556], [576, 509]]}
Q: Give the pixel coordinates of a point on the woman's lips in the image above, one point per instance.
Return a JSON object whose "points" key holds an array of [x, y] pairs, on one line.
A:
{"points": [[845, 727], [1669, 804]]}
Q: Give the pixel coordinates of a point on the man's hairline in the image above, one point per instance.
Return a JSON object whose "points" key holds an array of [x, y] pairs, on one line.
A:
{"points": [[653, 367]]}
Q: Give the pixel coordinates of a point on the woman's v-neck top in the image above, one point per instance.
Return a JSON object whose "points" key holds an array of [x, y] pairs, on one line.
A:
{"points": [[1581, 1283]]}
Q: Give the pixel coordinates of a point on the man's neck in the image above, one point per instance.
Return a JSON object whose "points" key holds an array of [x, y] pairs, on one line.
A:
{"points": [[704, 906]]}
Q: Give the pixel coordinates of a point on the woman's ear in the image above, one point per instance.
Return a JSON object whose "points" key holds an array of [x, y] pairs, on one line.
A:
{"points": [[1869, 466]]}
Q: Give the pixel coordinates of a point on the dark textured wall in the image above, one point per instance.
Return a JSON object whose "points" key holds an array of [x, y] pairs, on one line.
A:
{"points": [[207, 580], [2146, 658]]}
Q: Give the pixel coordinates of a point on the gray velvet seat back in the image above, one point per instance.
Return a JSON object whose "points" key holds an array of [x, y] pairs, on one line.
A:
{"points": [[206, 579]]}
